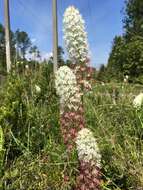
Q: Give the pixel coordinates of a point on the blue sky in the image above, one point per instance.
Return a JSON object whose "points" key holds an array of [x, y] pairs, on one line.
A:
{"points": [[103, 21]]}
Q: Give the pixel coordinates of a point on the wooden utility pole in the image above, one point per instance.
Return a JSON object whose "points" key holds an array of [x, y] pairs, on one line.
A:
{"points": [[55, 35], [7, 34]]}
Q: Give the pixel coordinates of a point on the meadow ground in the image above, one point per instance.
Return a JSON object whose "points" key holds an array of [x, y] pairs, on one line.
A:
{"points": [[34, 155]]}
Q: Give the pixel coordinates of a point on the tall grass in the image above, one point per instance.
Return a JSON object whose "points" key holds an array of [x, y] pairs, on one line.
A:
{"points": [[35, 155], [119, 130]]}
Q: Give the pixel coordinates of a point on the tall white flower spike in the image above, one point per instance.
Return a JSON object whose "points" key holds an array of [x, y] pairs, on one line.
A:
{"points": [[67, 88], [75, 36], [87, 148]]}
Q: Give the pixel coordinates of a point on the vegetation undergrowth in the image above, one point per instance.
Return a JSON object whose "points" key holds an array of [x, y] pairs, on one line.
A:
{"points": [[33, 147], [119, 129], [36, 124], [34, 155]]}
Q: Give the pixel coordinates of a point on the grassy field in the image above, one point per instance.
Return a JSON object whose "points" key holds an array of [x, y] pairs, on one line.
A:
{"points": [[34, 156], [119, 129]]}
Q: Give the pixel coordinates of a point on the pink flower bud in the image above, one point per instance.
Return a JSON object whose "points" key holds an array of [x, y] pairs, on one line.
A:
{"points": [[83, 187], [82, 69], [92, 186], [66, 178], [81, 126], [73, 131], [72, 114], [70, 147]]}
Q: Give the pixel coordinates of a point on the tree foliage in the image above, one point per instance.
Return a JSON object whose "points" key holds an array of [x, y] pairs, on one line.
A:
{"points": [[20, 46], [133, 58], [126, 56], [2, 48], [133, 21], [102, 72], [115, 62], [34, 52], [23, 42], [60, 56], [61, 61]]}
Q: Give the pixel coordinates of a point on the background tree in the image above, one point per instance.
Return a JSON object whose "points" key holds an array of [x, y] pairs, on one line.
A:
{"points": [[35, 52], [61, 61], [3, 48], [133, 21], [116, 59], [23, 42], [101, 73], [126, 54], [133, 58], [34, 57]]}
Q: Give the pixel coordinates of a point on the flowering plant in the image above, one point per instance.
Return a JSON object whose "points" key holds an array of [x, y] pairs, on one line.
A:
{"points": [[89, 177], [37, 88], [87, 147], [75, 36], [138, 101], [67, 88]]}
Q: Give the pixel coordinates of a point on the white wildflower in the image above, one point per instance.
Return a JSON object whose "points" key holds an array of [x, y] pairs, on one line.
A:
{"points": [[37, 88], [75, 36], [87, 85], [26, 66], [138, 101], [66, 87], [87, 147], [125, 80], [127, 77], [102, 83]]}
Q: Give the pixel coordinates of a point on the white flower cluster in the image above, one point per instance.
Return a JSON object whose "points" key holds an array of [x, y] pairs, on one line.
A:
{"points": [[126, 78], [37, 88], [87, 85], [75, 36], [27, 67], [67, 88], [138, 101], [87, 147]]}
